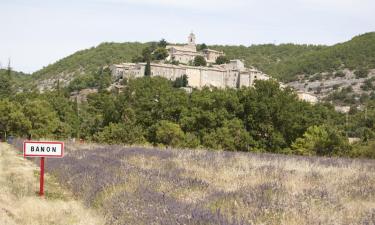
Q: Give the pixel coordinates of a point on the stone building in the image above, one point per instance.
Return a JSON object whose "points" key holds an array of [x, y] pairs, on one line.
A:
{"points": [[231, 75], [186, 53]]}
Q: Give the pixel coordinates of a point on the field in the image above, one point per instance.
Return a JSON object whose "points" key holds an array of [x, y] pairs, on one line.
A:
{"points": [[132, 185], [20, 205]]}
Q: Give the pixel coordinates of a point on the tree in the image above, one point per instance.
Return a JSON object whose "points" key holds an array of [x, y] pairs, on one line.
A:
{"points": [[147, 54], [6, 86], [153, 99], [67, 112], [137, 59], [103, 78], [222, 60], [199, 61], [148, 69], [321, 140], [168, 133], [119, 133], [12, 119], [181, 81], [232, 136], [162, 43], [160, 53], [43, 118], [202, 46]]}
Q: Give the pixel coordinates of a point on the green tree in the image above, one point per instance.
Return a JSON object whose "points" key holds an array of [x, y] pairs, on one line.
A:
{"points": [[148, 69], [82, 82], [12, 119], [119, 133], [181, 81], [103, 78], [222, 60], [169, 133], [137, 59], [191, 140], [153, 99], [44, 120], [162, 43], [6, 84], [232, 136], [147, 54], [321, 140], [160, 53], [201, 47], [67, 112], [199, 61]]}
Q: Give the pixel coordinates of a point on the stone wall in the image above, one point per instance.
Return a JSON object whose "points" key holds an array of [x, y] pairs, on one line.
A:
{"points": [[231, 75]]}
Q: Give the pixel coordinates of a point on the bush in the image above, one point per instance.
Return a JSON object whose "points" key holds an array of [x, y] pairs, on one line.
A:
{"points": [[181, 81], [361, 73], [321, 140], [222, 60], [168, 133], [367, 85], [364, 150], [118, 133], [340, 74], [199, 61]]}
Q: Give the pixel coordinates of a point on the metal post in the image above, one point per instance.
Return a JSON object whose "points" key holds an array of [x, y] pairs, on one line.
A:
{"points": [[41, 185]]}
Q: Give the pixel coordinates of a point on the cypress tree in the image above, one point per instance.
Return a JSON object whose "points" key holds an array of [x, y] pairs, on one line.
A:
{"points": [[148, 68], [6, 88]]}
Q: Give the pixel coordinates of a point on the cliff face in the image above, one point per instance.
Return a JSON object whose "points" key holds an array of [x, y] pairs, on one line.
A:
{"points": [[326, 85]]}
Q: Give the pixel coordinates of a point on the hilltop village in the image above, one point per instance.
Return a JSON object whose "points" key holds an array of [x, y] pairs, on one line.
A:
{"points": [[233, 74]]}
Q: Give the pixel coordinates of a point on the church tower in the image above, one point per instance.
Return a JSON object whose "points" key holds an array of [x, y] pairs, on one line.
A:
{"points": [[191, 39]]}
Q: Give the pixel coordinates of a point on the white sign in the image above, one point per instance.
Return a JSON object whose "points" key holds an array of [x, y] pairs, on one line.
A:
{"points": [[43, 149]]}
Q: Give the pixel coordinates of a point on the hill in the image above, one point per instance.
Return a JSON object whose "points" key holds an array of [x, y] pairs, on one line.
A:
{"points": [[284, 61], [136, 185], [18, 78], [90, 60]]}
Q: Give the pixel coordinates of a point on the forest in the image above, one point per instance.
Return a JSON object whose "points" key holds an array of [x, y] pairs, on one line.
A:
{"points": [[152, 111]]}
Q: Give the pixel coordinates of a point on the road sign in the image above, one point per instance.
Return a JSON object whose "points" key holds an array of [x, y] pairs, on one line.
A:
{"points": [[43, 149]]}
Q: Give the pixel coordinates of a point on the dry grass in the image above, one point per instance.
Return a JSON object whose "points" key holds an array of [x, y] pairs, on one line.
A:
{"points": [[134, 185], [20, 205]]}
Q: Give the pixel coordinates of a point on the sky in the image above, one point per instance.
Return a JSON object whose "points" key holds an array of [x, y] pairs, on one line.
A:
{"points": [[35, 33]]}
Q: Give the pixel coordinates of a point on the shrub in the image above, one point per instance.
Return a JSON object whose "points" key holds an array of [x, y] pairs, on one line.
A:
{"points": [[321, 140], [199, 61], [361, 73], [340, 74], [168, 133], [222, 60], [118, 133]]}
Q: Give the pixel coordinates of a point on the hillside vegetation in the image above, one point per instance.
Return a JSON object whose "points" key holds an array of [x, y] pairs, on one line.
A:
{"points": [[20, 205], [90, 60], [151, 111], [287, 61], [283, 61], [133, 185]]}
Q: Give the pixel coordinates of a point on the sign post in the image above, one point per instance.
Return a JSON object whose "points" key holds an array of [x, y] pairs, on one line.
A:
{"points": [[41, 180], [43, 149]]}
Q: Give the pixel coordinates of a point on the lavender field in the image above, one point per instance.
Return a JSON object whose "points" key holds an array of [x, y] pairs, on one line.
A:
{"points": [[131, 185]]}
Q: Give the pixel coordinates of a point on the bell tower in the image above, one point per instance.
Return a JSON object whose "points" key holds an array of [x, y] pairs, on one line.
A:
{"points": [[191, 39]]}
